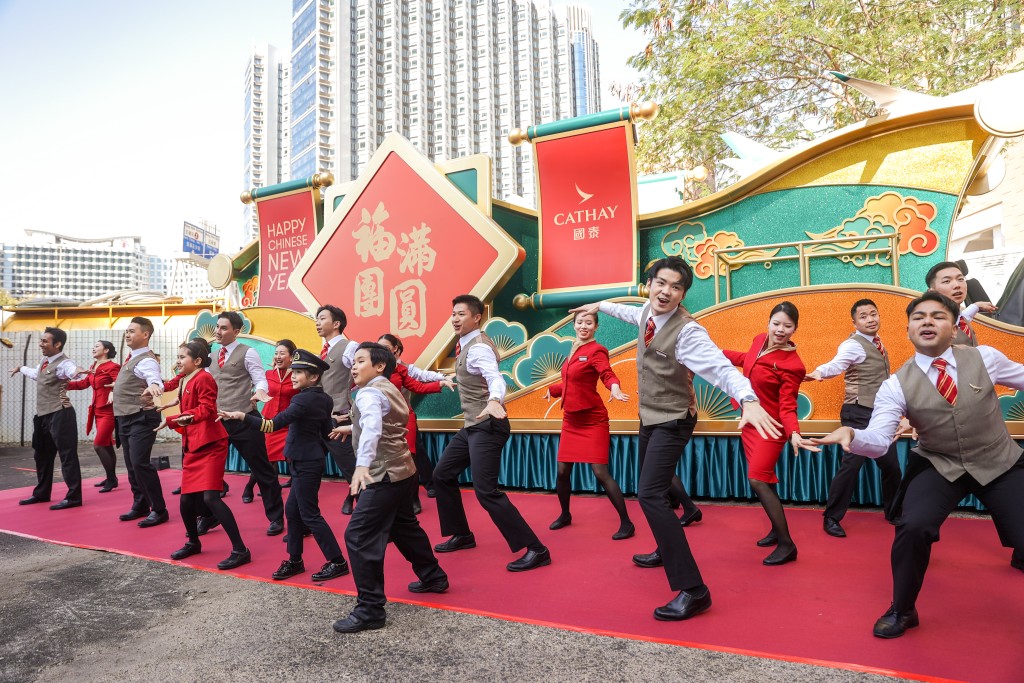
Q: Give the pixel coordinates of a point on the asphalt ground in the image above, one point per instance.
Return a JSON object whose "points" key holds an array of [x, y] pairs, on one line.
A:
{"points": [[70, 614]]}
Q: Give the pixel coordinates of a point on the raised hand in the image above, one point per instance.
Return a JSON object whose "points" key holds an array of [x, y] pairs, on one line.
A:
{"points": [[766, 425], [986, 306], [842, 436], [813, 376], [261, 395], [493, 409], [230, 415], [617, 394], [447, 384], [591, 309]]}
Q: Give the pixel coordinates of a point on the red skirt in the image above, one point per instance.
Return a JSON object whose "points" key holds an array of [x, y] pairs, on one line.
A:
{"points": [[104, 429], [275, 445], [203, 470], [585, 437], [762, 455]]}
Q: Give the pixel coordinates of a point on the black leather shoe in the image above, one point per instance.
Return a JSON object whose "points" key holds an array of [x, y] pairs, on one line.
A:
{"points": [[236, 559], [187, 550], [133, 514], [247, 496], [649, 560], [431, 493], [417, 506], [276, 528], [692, 518], [32, 500], [1017, 562], [207, 524], [353, 624], [833, 528], [346, 507], [684, 606], [530, 560], [894, 624], [438, 586], [108, 486], [287, 484], [561, 522], [154, 519], [457, 542], [331, 570], [769, 540], [780, 556], [287, 569], [65, 504], [224, 491], [100, 483], [625, 531], [176, 492]]}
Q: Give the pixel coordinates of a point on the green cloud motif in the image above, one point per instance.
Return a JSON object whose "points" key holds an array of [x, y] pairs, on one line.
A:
{"points": [[505, 334], [543, 359]]}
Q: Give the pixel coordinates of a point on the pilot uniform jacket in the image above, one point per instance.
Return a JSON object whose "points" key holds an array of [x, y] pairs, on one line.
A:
{"points": [[309, 423]]}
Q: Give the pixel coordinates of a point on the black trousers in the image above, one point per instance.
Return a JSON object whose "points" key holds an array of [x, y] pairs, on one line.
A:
{"points": [[385, 511], [479, 448], [840, 492], [252, 446], [303, 509], [928, 501], [344, 456], [137, 435], [424, 468], [661, 446], [53, 434]]}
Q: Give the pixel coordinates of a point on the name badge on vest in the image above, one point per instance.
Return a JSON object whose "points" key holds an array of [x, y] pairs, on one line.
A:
{"points": [[582, 359], [661, 353]]}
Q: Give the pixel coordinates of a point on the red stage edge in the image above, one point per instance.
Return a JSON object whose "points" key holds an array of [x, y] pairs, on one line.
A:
{"points": [[521, 620]]}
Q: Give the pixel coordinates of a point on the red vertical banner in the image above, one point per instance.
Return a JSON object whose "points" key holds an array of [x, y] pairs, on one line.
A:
{"points": [[287, 229], [588, 208]]}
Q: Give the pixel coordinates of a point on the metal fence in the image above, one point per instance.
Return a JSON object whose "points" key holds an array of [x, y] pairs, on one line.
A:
{"points": [[18, 397]]}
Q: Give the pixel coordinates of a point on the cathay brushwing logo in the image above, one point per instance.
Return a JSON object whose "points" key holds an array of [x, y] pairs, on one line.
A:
{"points": [[583, 195]]}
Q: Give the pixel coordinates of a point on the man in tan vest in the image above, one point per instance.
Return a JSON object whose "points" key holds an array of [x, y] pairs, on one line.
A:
{"points": [[947, 279], [670, 348], [948, 395], [338, 352], [55, 426], [385, 479], [478, 445], [865, 360]]}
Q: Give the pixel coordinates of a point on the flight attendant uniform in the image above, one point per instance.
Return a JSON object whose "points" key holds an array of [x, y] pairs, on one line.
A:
{"points": [[585, 434], [204, 440]]}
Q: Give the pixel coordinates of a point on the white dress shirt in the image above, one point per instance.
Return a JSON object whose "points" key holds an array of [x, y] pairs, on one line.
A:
{"points": [[969, 313], [694, 349], [849, 353], [147, 369], [373, 405], [422, 375], [481, 361], [349, 356], [253, 365], [891, 404], [65, 369]]}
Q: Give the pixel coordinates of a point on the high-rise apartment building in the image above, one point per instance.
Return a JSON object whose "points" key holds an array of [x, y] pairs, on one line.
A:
{"points": [[584, 57], [452, 76], [265, 126]]}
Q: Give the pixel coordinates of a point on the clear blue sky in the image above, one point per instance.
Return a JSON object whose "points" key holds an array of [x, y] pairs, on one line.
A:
{"points": [[124, 118]]}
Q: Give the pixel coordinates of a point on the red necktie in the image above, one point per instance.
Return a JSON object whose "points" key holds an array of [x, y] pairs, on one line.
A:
{"points": [[945, 383], [223, 356], [458, 348], [966, 327], [46, 362], [878, 345], [649, 332], [324, 350]]}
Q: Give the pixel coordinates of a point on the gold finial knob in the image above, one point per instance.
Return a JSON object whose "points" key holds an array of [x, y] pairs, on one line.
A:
{"points": [[246, 197], [647, 111], [518, 136], [325, 179], [698, 173], [521, 302], [644, 291]]}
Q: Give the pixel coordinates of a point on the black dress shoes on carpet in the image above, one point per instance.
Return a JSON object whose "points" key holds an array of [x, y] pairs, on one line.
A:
{"points": [[625, 531], [439, 586], [833, 528], [692, 518], [353, 624], [769, 540], [133, 514], [648, 561], [207, 524], [108, 486], [176, 492], [100, 483], [154, 519], [563, 521], [276, 528], [247, 496], [331, 570], [224, 491], [187, 550], [456, 542], [32, 500], [894, 624], [685, 605], [780, 556], [346, 507], [288, 569], [531, 560], [236, 559], [65, 504]]}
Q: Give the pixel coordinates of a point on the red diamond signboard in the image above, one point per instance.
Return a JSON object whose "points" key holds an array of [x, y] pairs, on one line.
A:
{"points": [[403, 242]]}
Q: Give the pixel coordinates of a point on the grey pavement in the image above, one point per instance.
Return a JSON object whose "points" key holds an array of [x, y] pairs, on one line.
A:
{"points": [[81, 615]]}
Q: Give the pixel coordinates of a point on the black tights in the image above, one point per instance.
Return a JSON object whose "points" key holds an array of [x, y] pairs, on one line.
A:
{"points": [[108, 458], [563, 486], [769, 497], [207, 503]]}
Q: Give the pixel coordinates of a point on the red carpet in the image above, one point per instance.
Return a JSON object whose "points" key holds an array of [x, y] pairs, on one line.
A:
{"points": [[818, 610]]}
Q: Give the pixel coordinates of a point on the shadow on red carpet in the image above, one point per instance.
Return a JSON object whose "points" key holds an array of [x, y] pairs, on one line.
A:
{"points": [[819, 609]]}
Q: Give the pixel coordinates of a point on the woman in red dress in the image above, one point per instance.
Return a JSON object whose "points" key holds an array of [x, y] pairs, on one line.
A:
{"points": [[424, 382], [101, 378], [775, 372], [205, 450], [585, 434], [279, 386]]}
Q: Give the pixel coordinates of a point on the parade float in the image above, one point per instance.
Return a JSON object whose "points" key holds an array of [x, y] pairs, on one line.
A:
{"points": [[862, 212]]}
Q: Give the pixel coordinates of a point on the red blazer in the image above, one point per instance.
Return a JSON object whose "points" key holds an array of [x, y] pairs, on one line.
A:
{"points": [[578, 388], [200, 401], [401, 379], [98, 378], [775, 377]]}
